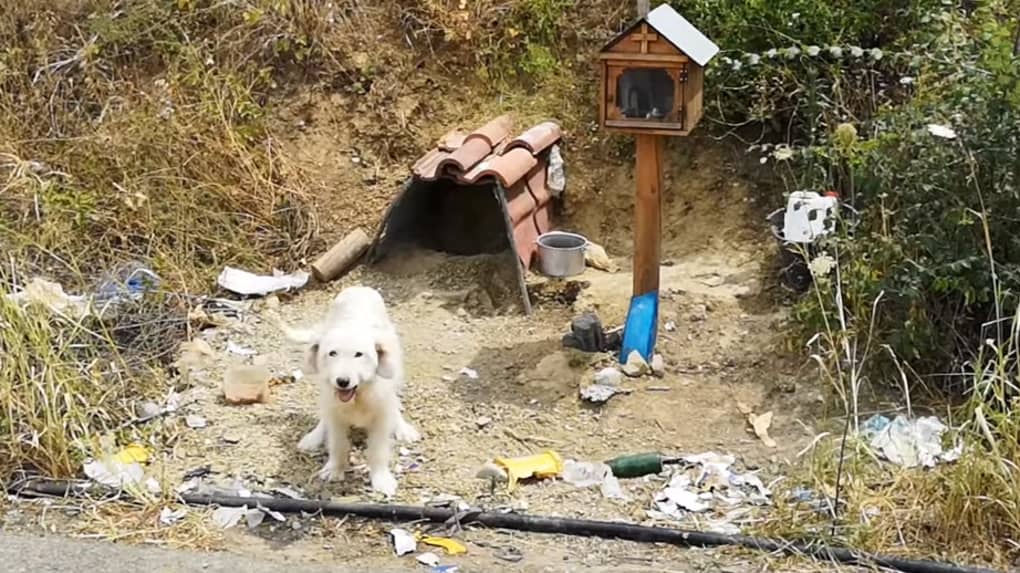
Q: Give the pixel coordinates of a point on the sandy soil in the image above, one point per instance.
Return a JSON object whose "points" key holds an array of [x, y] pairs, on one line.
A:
{"points": [[721, 348]]}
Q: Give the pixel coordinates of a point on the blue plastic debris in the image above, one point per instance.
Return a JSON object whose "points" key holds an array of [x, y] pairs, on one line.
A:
{"points": [[641, 327]]}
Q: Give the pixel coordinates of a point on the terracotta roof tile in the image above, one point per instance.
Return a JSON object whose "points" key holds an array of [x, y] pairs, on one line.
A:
{"points": [[490, 154], [538, 138]]}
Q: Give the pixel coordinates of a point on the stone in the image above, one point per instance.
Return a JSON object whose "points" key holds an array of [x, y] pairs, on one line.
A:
{"points": [[246, 384], [636, 365], [658, 365], [609, 377], [596, 257]]}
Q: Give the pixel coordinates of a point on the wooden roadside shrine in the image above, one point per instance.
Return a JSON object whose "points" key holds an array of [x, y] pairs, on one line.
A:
{"points": [[651, 86]]}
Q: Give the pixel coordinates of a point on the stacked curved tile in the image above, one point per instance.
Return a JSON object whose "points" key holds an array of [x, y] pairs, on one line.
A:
{"points": [[519, 165]]}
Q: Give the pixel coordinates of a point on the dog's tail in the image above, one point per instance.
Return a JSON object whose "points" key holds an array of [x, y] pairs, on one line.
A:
{"points": [[298, 335]]}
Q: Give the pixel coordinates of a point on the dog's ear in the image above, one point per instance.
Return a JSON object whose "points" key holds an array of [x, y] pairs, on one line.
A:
{"points": [[386, 356], [312, 359]]}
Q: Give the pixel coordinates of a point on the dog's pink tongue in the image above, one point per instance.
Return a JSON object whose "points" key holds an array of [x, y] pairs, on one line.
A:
{"points": [[345, 395]]}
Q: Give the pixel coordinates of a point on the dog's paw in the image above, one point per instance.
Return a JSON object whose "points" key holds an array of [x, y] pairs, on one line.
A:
{"points": [[384, 483], [406, 433], [331, 472]]}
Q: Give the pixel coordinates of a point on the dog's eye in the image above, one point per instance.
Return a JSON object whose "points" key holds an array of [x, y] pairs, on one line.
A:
{"points": [[332, 353], [358, 354]]}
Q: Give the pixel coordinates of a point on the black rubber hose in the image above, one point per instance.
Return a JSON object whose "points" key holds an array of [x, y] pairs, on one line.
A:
{"points": [[538, 524]]}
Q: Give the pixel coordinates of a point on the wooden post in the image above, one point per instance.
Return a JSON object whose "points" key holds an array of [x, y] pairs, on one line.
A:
{"points": [[341, 257], [648, 213]]}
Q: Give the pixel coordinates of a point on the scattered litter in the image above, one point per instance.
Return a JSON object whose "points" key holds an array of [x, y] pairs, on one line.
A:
{"points": [[132, 453], [113, 473], [609, 376], [707, 482], [635, 366], [601, 393], [244, 384], [470, 373], [195, 422], [556, 179], [403, 542], [52, 296], [510, 554], [587, 474], [147, 410], [227, 517], [128, 283], [168, 516], [288, 492], [943, 131], [428, 559], [909, 443], [239, 350], [540, 466], [297, 375], [445, 569], [452, 546], [483, 421], [245, 283], [808, 216], [670, 326], [491, 471], [587, 335], [658, 365], [761, 424], [596, 257]]}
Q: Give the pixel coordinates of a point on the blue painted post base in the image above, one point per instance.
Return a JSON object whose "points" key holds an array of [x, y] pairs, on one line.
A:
{"points": [[641, 327]]}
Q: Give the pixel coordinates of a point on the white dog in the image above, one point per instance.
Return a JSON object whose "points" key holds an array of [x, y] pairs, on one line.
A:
{"points": [[356, 358]]}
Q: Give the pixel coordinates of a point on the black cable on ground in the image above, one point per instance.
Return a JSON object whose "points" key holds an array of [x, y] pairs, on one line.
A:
{"points": [[538, 524]]}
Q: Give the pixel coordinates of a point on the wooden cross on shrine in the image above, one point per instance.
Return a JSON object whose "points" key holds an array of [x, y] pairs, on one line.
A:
{"points": [[644, 37], [651, 87]]}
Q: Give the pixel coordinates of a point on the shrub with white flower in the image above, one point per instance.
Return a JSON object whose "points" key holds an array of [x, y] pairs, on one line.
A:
{"points": [[792, 52], [813, 51], [771, 53], [783, 152], [876, 54], [836, 52], [856, 51], [822, 266]]}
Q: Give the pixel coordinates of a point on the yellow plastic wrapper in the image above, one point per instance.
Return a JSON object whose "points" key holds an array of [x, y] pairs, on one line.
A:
{"points": [[452, 546], [132, 453], [540, 466]]}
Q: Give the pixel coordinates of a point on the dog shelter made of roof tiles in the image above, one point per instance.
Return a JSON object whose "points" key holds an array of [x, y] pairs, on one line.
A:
{"points": [[487, 167]]}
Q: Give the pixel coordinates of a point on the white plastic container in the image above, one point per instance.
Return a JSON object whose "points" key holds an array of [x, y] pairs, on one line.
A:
{"points": [[808, 216]]}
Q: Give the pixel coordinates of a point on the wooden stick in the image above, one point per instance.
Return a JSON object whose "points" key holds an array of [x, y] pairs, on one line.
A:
{"points": [[648, 213], [339, 259]]}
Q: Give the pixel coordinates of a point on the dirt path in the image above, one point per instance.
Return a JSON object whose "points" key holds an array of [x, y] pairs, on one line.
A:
{"points": [[718, 338]]}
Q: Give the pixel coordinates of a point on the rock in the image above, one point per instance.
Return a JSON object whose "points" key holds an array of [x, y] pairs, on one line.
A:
{"points": [[597, 258], [658, 365], [586, 334], [483, 422], [609, 377], [246, 384], [636, 365]]}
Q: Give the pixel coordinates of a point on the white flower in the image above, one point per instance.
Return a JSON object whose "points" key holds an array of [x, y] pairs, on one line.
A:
{"points": [[736, 64], [856, 51], [906, 80], [813, 51], [753, 59], [763, 160], [792, 52], [875, 54], [835, 51], [821, 266], [783, 153], [943, 131], [771, 53]]}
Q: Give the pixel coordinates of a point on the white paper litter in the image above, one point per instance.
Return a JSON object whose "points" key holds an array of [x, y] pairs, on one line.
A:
{"points": [[245, 283], [428, 559], [168, 516], [943, 131], [239, 350], [403, 542], [909, 443], [556, 178], [600, 393], [195, 422], [52, 296], [471, 373], [227, 517], [708, 482], [113, 473]]}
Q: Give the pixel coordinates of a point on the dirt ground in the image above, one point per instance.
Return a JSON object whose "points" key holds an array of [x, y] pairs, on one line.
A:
{"points": [[720, 335]]}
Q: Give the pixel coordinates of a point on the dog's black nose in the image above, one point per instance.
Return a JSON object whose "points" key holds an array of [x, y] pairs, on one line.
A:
{"points": [[343, 382]]}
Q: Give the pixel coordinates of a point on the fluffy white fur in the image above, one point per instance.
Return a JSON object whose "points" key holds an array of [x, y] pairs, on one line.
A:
{"points": [[357, 360]]}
